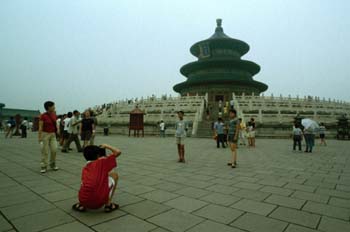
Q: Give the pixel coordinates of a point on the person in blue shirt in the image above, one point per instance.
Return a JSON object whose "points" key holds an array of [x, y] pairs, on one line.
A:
{"points": [[219, 132], [11, 125]]}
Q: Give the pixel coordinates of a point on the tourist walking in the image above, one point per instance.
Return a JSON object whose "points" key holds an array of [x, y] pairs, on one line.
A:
{"points": [[11, 125], [66, 125], [24, 127], [322, 131], [309, 139], [233, 132], [47, 136], [73, 133], [297, 136], [251, 132], [162, 129], [87, 128], [219, 133], [181, 128]]}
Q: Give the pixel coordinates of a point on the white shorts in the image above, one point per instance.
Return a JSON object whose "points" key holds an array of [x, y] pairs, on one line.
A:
{"points": [[251, 134], [180, 140], [111, 184]]}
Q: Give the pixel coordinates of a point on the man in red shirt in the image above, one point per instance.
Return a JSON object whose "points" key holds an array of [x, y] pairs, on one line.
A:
{"points": [[99, 181], [47, 136]]}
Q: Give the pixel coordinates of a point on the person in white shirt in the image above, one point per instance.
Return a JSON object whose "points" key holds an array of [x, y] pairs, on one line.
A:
{"points": [[58, 123], [24, 127], [66, 123], [162, 129], [297, 137], [73, 133], [181, 128]]}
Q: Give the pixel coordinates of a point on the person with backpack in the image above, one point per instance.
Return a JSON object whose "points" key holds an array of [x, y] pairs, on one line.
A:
{"points": [[47, 136]]}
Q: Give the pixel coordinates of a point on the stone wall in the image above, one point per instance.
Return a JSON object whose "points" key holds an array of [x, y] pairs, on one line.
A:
{"points": [[274, 115]]}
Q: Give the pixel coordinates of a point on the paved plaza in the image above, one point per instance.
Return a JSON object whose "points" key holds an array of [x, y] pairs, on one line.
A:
{"points": [[272, 190]]}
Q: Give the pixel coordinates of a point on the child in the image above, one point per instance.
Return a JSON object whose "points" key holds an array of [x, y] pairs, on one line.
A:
{"points": [[297, 136], [99, 181], [180, 135], [233, 132]]}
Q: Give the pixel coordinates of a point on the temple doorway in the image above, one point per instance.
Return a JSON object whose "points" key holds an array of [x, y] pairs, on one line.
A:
{"points": [[219, 97]]}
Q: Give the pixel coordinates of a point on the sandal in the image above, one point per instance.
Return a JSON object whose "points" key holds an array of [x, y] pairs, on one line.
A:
{"points": [[78, 207], [229, 164], [111, 207]]}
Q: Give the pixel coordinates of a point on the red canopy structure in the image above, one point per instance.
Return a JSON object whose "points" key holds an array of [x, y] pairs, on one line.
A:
{"points": [[136, 122]]}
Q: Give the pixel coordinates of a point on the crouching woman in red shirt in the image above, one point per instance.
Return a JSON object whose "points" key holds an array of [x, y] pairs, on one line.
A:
{"points": [[99, 180]]}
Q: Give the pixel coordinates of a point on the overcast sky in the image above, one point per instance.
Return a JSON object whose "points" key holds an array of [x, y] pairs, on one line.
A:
{"points": [[81, 53]]}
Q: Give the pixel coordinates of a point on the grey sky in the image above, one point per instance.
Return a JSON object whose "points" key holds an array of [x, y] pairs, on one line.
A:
{"points": [[81, 53]]}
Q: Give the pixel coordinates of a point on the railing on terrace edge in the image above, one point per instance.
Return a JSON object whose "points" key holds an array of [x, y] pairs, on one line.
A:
{"points": [[198, 118]]}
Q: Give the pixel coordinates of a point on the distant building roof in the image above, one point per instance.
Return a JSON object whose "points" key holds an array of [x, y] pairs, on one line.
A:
{"points": [[8, 112]]}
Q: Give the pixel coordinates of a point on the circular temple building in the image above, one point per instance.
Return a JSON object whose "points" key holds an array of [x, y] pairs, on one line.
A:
{"points": [[219, 70]]}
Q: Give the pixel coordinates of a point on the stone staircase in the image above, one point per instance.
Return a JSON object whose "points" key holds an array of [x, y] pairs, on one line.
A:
{"points": [[205, 126]]}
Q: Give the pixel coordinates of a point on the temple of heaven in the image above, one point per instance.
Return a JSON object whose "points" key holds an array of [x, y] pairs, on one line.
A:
{"points": [[219, 70]]}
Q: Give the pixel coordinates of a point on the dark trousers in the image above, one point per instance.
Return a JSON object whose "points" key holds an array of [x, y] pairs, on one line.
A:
{"points": [[24, 132], [71, 138], [310, 141], [297, 140], [220, 139]]}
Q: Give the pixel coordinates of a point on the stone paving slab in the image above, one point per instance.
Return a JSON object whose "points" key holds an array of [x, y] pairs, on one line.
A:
{"points": [[340, 202], [209, 226], [220, 199], [73, 226], [296, 228], [254, 207], [276, 190], [251, 194], [219, 213], [258, 223], [186, 204], [271, 190], [193, 192], [4, 224], [311, 196], [285, 201], [330, 225], [127, 223], [160, 196], [43, 220], [328, 210], [176, 220], [296, 216], [28, 208], [145, 209]]}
